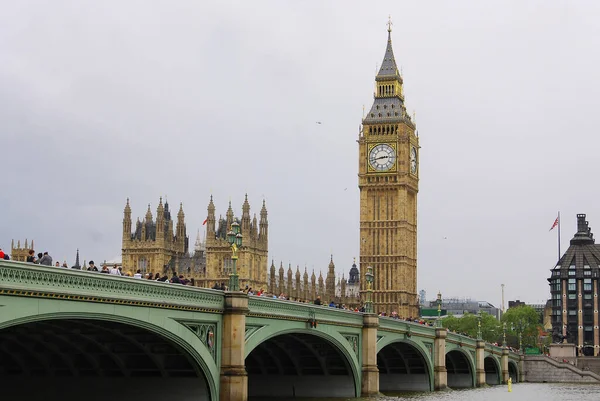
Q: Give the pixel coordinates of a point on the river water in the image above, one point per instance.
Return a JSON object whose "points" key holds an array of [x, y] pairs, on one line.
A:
{"points": [[520, 391]]}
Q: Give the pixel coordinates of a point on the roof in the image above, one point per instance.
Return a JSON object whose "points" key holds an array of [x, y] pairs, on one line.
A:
{"points": [[388, 69], [583, 250]]}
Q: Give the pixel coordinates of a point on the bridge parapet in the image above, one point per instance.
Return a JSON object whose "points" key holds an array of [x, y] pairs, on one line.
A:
{"points": [[462, 341], [290, 310], [26, 279], [407, 328]]}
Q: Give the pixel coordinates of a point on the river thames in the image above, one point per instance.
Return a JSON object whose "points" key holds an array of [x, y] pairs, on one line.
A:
{"points": [[521, 391]]}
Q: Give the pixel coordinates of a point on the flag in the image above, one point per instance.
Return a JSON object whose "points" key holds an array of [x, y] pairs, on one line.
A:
{"points": [[554, 224], [205, 220]]}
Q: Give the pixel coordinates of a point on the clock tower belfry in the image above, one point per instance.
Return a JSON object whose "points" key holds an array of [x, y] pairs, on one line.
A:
{"points": [[388, 179]]}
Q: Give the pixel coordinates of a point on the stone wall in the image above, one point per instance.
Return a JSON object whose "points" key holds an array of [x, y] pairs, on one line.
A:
{"points": [[542, 369]]}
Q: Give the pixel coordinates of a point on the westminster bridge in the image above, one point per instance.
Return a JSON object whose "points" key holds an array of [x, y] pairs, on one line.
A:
{"points": [[72, 335]]}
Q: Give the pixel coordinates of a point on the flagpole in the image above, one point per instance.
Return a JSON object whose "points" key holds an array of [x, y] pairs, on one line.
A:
{"points": [[559, 235]]}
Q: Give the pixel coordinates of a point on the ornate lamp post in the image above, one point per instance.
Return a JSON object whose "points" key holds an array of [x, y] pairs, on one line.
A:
{"points": [[234, 237], [479, 326], [438, 322], [369, 277], [504, 335]]}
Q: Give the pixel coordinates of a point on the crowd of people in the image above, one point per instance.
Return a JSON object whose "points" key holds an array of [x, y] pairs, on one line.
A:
{"points": [[46, 260]]}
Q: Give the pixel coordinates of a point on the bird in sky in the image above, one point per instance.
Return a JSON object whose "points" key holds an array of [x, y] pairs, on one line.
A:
{"points": [[319, 122]]}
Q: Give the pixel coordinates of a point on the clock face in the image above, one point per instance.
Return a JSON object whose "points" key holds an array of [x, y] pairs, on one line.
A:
{"points": [[382, 157], [413, 160]]}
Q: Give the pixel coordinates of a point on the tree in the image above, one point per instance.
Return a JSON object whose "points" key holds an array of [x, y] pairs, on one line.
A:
{"points": [[468, 324], [525, 320]]}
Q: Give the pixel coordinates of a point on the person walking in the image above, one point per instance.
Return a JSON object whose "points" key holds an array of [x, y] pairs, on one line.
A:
{"points": [[46, 259]]}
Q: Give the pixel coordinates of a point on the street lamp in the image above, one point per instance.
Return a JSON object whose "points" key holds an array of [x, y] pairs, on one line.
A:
{"points": [[479, 325], [369, 277], [234, 237], [504, 335], [438, 322]]}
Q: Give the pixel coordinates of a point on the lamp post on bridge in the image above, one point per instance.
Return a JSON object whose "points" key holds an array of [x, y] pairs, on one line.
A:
{"points": [[369, 302], [504, 335], [479, 326], [234, 237], [438, 322], [519, 328]]}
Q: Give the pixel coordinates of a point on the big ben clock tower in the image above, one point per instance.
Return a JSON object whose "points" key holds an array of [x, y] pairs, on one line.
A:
{"points": [[388, 179]]}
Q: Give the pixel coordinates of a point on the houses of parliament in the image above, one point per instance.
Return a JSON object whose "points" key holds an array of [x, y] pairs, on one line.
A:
{"points": [[156, 246], [388, 179]]}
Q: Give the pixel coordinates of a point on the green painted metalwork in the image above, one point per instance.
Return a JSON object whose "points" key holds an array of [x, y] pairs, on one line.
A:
{"points": [[25, 279], [17, 310], [270, 308], [192, 317]]}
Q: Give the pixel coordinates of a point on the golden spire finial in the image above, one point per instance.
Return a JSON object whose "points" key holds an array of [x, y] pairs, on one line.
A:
{"points": [[363, 111], [390, 23], [414, 117]]}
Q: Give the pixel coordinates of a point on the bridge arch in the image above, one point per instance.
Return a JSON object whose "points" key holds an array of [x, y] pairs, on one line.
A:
{"points": [[460, 369], [106, 353], [513, 371], [404, 366], [493, 372], [302, 362]]}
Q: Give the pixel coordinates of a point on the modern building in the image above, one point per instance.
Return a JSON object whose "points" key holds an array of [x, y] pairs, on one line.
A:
{"points": [[461, 306], [388, 168], [154, 246], [574, 292]]}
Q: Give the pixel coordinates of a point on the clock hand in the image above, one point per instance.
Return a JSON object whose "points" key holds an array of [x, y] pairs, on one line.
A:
{"points": [[381, 157]]}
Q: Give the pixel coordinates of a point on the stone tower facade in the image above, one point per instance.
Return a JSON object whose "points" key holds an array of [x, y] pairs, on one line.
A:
{"points": [[330, 292], [19, 254], [388, 168], [154, 246], [253, 254]]}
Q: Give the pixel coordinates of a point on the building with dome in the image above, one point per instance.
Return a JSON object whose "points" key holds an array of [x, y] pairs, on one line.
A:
{"points": [[574, 292]]}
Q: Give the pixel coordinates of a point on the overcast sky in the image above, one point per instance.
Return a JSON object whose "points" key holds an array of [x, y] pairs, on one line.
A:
{"points": [[100, 101]]}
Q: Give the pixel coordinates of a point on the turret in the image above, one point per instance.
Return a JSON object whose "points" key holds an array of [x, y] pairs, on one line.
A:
{"points": [[264, 225], [144, 224], [281, 281], [76, 265], [181, 231], [322, 288], [313, 286], [254, 228], [229, 217], [160, 222], [272, 278], [127, 223], [298, 285], [290, 277], [210, 220], [246, 218], [343, 289], [306, 288], [330, 281], [148, 215]]}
